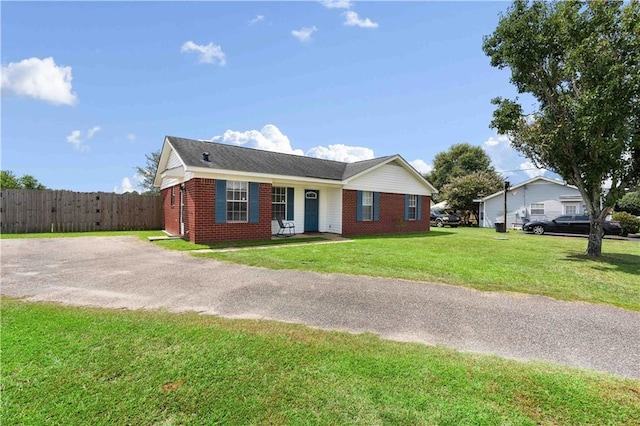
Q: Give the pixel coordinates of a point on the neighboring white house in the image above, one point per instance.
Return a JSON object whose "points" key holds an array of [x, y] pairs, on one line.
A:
{"points": [[539, 198]]}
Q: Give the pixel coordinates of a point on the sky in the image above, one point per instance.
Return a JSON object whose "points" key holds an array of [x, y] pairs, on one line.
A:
{"points": [[90, 88]]}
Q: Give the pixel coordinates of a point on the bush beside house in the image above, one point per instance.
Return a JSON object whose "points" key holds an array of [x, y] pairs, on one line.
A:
{"points": [[630, 224]]}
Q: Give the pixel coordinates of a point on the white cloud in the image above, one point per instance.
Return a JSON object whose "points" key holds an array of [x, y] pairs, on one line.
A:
{"points": [[304, 34], [351, 19], [209, 54], [269, 138], [78, 141], [340, 152], [257, 19], [508, 162], [131, 137], [336, 4], [531, 170], [92, 131], [74, 139], [421, 166], [496, 140], [125, 186], [39, 79]]}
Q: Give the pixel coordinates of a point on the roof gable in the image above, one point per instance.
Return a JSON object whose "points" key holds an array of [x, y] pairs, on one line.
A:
{"points": [[536, 179]]}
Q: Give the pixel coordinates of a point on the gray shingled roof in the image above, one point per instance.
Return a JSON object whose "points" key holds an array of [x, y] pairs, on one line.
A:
{"points": [[230, 157]]}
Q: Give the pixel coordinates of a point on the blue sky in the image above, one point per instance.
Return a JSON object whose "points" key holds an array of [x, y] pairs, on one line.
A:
{"points": [[89, 88]]}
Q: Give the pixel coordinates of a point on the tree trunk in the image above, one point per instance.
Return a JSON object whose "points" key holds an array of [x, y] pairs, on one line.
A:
{"points": [[596, 232]]}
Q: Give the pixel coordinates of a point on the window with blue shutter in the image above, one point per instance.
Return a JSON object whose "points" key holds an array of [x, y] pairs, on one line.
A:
{"points": [[410, 207], [367, 206], [419, 207]]}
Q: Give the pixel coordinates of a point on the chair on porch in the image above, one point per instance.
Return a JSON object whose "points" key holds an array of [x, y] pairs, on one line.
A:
{"points": [[287, 229]]}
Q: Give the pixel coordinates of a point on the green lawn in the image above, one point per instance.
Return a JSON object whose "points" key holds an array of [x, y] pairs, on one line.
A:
{"points": [[63, 365], [182, 245], [477, 258]]}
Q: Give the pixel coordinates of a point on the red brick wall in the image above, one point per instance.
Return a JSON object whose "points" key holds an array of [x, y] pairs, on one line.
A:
{"points": [[171, 213], [200, 226], [391, 217]]}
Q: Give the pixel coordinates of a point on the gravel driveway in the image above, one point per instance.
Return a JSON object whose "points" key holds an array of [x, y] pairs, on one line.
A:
{"points": [[124, 272]]}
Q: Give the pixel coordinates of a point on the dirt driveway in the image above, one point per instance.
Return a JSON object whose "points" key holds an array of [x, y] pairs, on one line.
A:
{"points": [[124, 272]]}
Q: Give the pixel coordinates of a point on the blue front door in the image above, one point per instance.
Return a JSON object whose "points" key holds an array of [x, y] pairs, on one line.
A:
{"points": [[311, 210]]}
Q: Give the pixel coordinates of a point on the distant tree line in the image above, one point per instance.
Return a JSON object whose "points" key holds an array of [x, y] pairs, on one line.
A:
{"points": [[9, 180]]}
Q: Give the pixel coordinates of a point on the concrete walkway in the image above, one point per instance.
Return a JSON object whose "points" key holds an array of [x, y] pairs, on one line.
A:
{"points": [[124, 272]]}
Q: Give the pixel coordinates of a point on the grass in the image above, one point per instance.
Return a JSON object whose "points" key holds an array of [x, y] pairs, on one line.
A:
{"points": [[477, 258], [177, 244], [182, 245], [140, 234], [63, 365]]}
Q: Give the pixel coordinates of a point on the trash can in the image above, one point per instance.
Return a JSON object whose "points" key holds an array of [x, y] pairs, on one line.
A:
{"points": [[500, 227]]}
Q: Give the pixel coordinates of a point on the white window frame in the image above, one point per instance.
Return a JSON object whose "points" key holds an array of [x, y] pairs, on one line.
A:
{"points": [[537, 209], [571, 206], [413, 207], [278, 198], [367, 206], [237, 201]]}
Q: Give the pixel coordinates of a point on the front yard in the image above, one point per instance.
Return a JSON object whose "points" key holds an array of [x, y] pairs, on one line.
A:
{"points": [[477, 258], [63, 365]]}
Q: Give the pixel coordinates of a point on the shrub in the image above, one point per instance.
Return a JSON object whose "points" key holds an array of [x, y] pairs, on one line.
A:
{"points": [[630, 203], [630, 224]]}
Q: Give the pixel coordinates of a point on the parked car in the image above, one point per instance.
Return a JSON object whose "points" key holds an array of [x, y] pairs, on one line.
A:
{"points": [[442, 219], [570, 225]]}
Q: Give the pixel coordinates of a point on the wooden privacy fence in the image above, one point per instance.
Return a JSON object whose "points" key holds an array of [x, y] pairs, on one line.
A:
{"points": [[28, 210]]}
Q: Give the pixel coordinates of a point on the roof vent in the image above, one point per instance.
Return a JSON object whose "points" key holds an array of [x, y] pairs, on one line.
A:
{"points": [[205, 156]]}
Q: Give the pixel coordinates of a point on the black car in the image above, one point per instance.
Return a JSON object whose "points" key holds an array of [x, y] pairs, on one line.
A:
{"points": [[570, 225], [441, 219]]}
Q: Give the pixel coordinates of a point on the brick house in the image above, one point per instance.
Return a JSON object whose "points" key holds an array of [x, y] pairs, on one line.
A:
{"points": [[215, 192]]}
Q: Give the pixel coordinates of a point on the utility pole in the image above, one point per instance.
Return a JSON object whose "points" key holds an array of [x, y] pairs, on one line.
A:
{"points": [[507, 185]]}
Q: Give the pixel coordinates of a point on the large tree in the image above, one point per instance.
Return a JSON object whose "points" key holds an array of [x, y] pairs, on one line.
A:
{"points": [[462, 190], [460, 160], [581, 63], [148, 172]]}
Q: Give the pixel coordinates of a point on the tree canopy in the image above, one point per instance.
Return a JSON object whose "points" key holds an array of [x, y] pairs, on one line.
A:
{"points": [[580, 61], [9, 180], [462, 190], [148, 171], [460, 160]]}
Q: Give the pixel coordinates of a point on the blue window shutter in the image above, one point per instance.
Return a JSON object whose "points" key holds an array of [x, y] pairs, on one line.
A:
{"points": [[221, 201], [419, 207], [254, 202], [359, 206], [290, 193], [376, 206], [406, 206]]}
